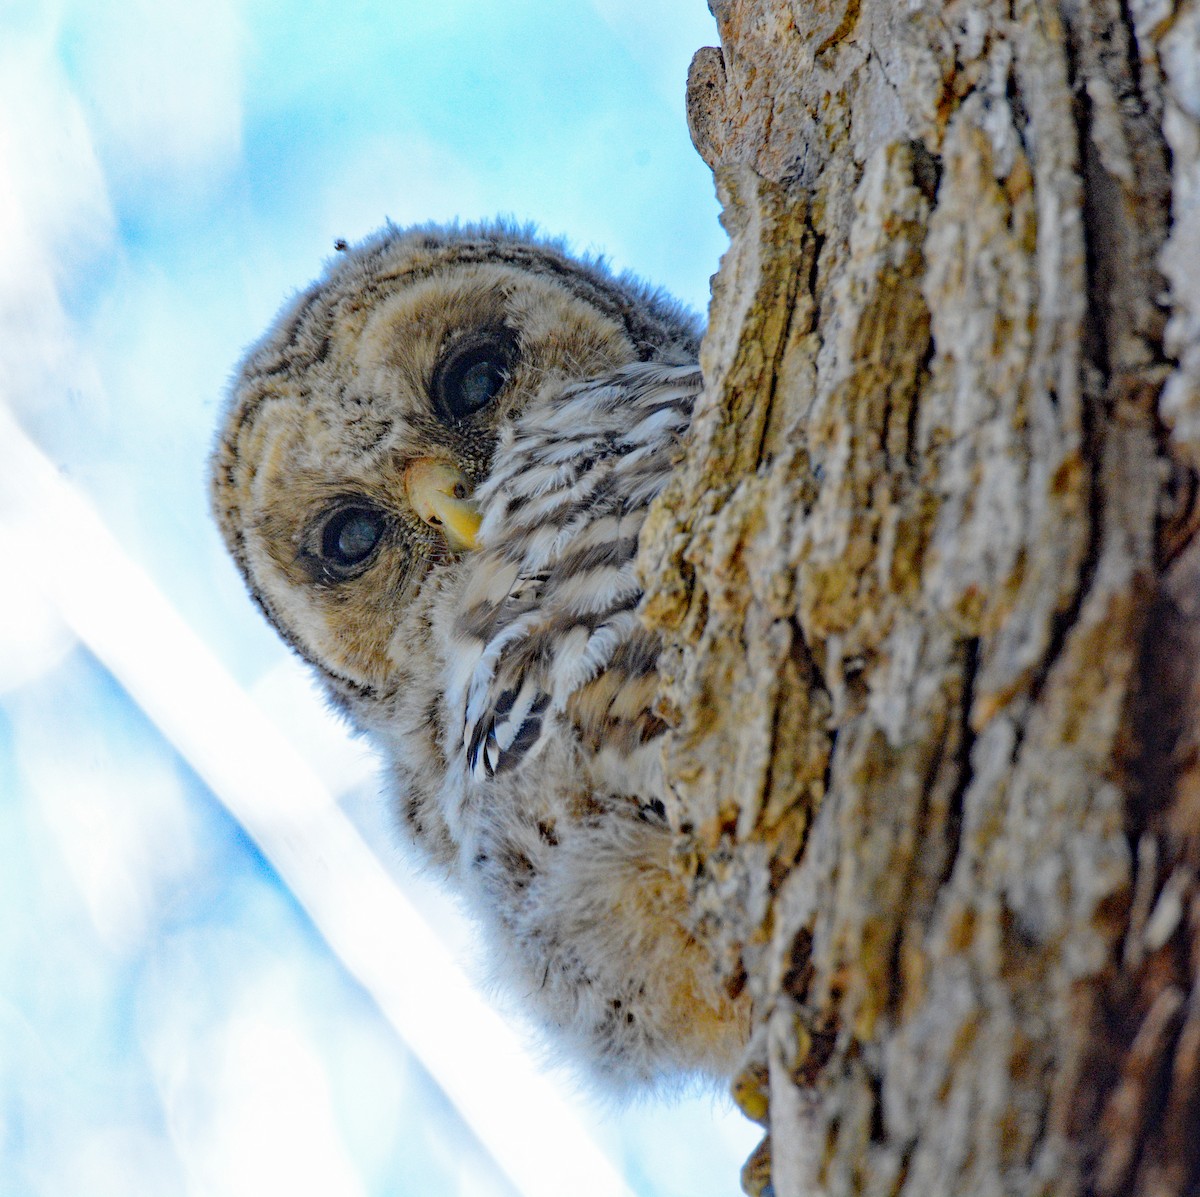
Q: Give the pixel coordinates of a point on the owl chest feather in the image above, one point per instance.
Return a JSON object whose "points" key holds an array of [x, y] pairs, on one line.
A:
{"points": [[546, 633]]}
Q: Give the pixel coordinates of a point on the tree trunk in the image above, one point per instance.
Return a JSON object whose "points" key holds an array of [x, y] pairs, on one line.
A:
{"points": [[931, 597]]}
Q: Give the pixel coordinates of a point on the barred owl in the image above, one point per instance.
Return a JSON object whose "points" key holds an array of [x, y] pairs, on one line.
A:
{"points": [[432, 474]]}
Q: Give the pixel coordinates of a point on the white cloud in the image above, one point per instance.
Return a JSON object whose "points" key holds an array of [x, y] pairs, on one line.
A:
{"points": [[164, 85], [123, 827], [245, 1087], [56, 216], [273, 1126], [33, 639], [405, 177]]}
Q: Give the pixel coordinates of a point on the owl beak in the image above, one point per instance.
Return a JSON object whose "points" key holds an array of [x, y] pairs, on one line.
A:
{"points": [[440, 495]]}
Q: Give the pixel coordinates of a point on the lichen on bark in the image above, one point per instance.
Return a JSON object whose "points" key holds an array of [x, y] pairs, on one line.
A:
{"points": [[923, 580]]}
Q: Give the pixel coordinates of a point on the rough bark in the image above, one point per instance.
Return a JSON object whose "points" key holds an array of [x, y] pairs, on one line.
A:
{"points": [[931, 597]]}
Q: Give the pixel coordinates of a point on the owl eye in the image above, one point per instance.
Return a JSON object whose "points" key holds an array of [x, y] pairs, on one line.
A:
{"points": [[350, 537], [472, 373]]}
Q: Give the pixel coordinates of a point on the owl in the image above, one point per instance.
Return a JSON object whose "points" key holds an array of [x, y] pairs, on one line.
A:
{"points": [[432, 473]]}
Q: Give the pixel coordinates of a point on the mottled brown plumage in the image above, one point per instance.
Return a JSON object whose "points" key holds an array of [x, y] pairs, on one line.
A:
{"points": [[433, 473]]}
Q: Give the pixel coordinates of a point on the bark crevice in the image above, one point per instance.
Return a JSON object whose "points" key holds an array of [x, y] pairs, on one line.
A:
{"points": [[923, 585]]}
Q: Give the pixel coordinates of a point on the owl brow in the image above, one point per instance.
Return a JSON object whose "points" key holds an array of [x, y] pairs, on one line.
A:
{"points": [[607, 299]]}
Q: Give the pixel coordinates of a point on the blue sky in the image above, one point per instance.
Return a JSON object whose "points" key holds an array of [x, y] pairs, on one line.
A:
{"points": [[169, 173]]}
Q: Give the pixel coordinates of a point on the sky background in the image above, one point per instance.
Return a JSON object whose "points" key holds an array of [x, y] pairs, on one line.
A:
{"points": [[175, 1018]]}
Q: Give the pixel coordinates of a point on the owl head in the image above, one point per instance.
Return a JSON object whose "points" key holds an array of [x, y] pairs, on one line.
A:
{"points": [[360, 424]]}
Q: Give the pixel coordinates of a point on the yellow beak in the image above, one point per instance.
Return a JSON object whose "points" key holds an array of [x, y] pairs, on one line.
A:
{"points": [[440, 495]]}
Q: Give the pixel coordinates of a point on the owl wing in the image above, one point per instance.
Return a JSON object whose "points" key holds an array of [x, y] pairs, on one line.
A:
{"points": [[549, 618]]}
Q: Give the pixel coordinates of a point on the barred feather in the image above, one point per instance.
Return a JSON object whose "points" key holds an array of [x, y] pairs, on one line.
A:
{"points": [[549, 617]]}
